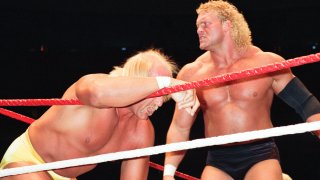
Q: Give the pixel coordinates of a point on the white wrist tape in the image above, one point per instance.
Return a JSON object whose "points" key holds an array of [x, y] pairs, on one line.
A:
{"points": [[169, 170], [163, 81]]}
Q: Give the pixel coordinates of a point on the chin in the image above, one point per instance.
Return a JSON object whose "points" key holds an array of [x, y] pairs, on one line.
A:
{"points": [[202, 47]]}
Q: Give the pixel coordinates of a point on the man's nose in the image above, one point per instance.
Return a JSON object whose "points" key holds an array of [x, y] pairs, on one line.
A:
{"points": [[199, 30]]}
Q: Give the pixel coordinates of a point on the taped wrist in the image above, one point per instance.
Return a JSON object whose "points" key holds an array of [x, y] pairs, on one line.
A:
{"points": [[169, 170], [163, 81], [296, 95]]}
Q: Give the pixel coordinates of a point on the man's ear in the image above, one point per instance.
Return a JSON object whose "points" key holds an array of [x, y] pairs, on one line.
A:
{"points": [[226, 25]]}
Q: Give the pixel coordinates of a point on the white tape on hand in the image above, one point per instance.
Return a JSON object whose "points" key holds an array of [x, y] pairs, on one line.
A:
{"points": [[169, 170], [163, 81]]}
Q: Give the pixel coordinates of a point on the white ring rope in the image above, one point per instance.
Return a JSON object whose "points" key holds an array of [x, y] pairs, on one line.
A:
{"points": [[197, 143]]}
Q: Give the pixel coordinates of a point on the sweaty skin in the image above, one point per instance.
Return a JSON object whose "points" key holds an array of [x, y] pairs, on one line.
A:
{"points": [[240, 105], [81, 131], [114, 117], [234, 106]]}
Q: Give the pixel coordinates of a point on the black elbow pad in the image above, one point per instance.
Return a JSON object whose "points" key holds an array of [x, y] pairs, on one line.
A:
{"points": [[296, 95]]}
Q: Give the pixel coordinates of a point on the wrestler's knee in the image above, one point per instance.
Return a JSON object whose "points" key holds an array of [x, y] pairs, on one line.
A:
{"points": [[33, 176]]}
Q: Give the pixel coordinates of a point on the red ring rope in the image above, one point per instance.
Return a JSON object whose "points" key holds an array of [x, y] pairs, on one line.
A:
{"points": [[239, 75], [38, 102], [195, 84], [177, 173], [16, 116]]}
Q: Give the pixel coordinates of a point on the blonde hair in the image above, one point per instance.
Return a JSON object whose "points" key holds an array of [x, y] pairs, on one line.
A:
{"points": [[224, 10], [140, 64]]}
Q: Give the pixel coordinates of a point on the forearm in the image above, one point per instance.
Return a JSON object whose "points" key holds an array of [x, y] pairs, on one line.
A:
{"points": [[103, 91], [172, 162], [173, 159]]}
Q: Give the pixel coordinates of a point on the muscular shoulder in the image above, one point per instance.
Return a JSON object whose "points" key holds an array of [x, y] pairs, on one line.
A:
{"points": [[268, 57], [280, 78], [188, 71]]}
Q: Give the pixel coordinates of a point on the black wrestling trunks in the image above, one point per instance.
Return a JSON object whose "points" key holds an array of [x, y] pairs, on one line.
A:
{"points": [[238, 159]]}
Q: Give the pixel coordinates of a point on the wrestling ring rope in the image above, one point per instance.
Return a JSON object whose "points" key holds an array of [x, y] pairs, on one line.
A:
{"points": [[198, 143]]}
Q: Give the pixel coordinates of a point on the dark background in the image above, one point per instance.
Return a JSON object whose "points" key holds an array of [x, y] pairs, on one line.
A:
{"points": [[47, 45]]}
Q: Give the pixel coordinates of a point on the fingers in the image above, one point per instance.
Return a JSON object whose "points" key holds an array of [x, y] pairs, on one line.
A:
{"points": [[188, 110], [186, 104], [195, 107], [178, 96], [189, 102], [191, 107], [187, 99]]}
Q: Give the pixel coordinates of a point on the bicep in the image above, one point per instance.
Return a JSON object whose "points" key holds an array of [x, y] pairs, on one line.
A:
{"points": [[281, 80]]}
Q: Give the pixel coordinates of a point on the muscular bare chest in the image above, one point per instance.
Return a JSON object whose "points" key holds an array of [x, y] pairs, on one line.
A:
{"points": [[235, 91], [242, 90]]}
